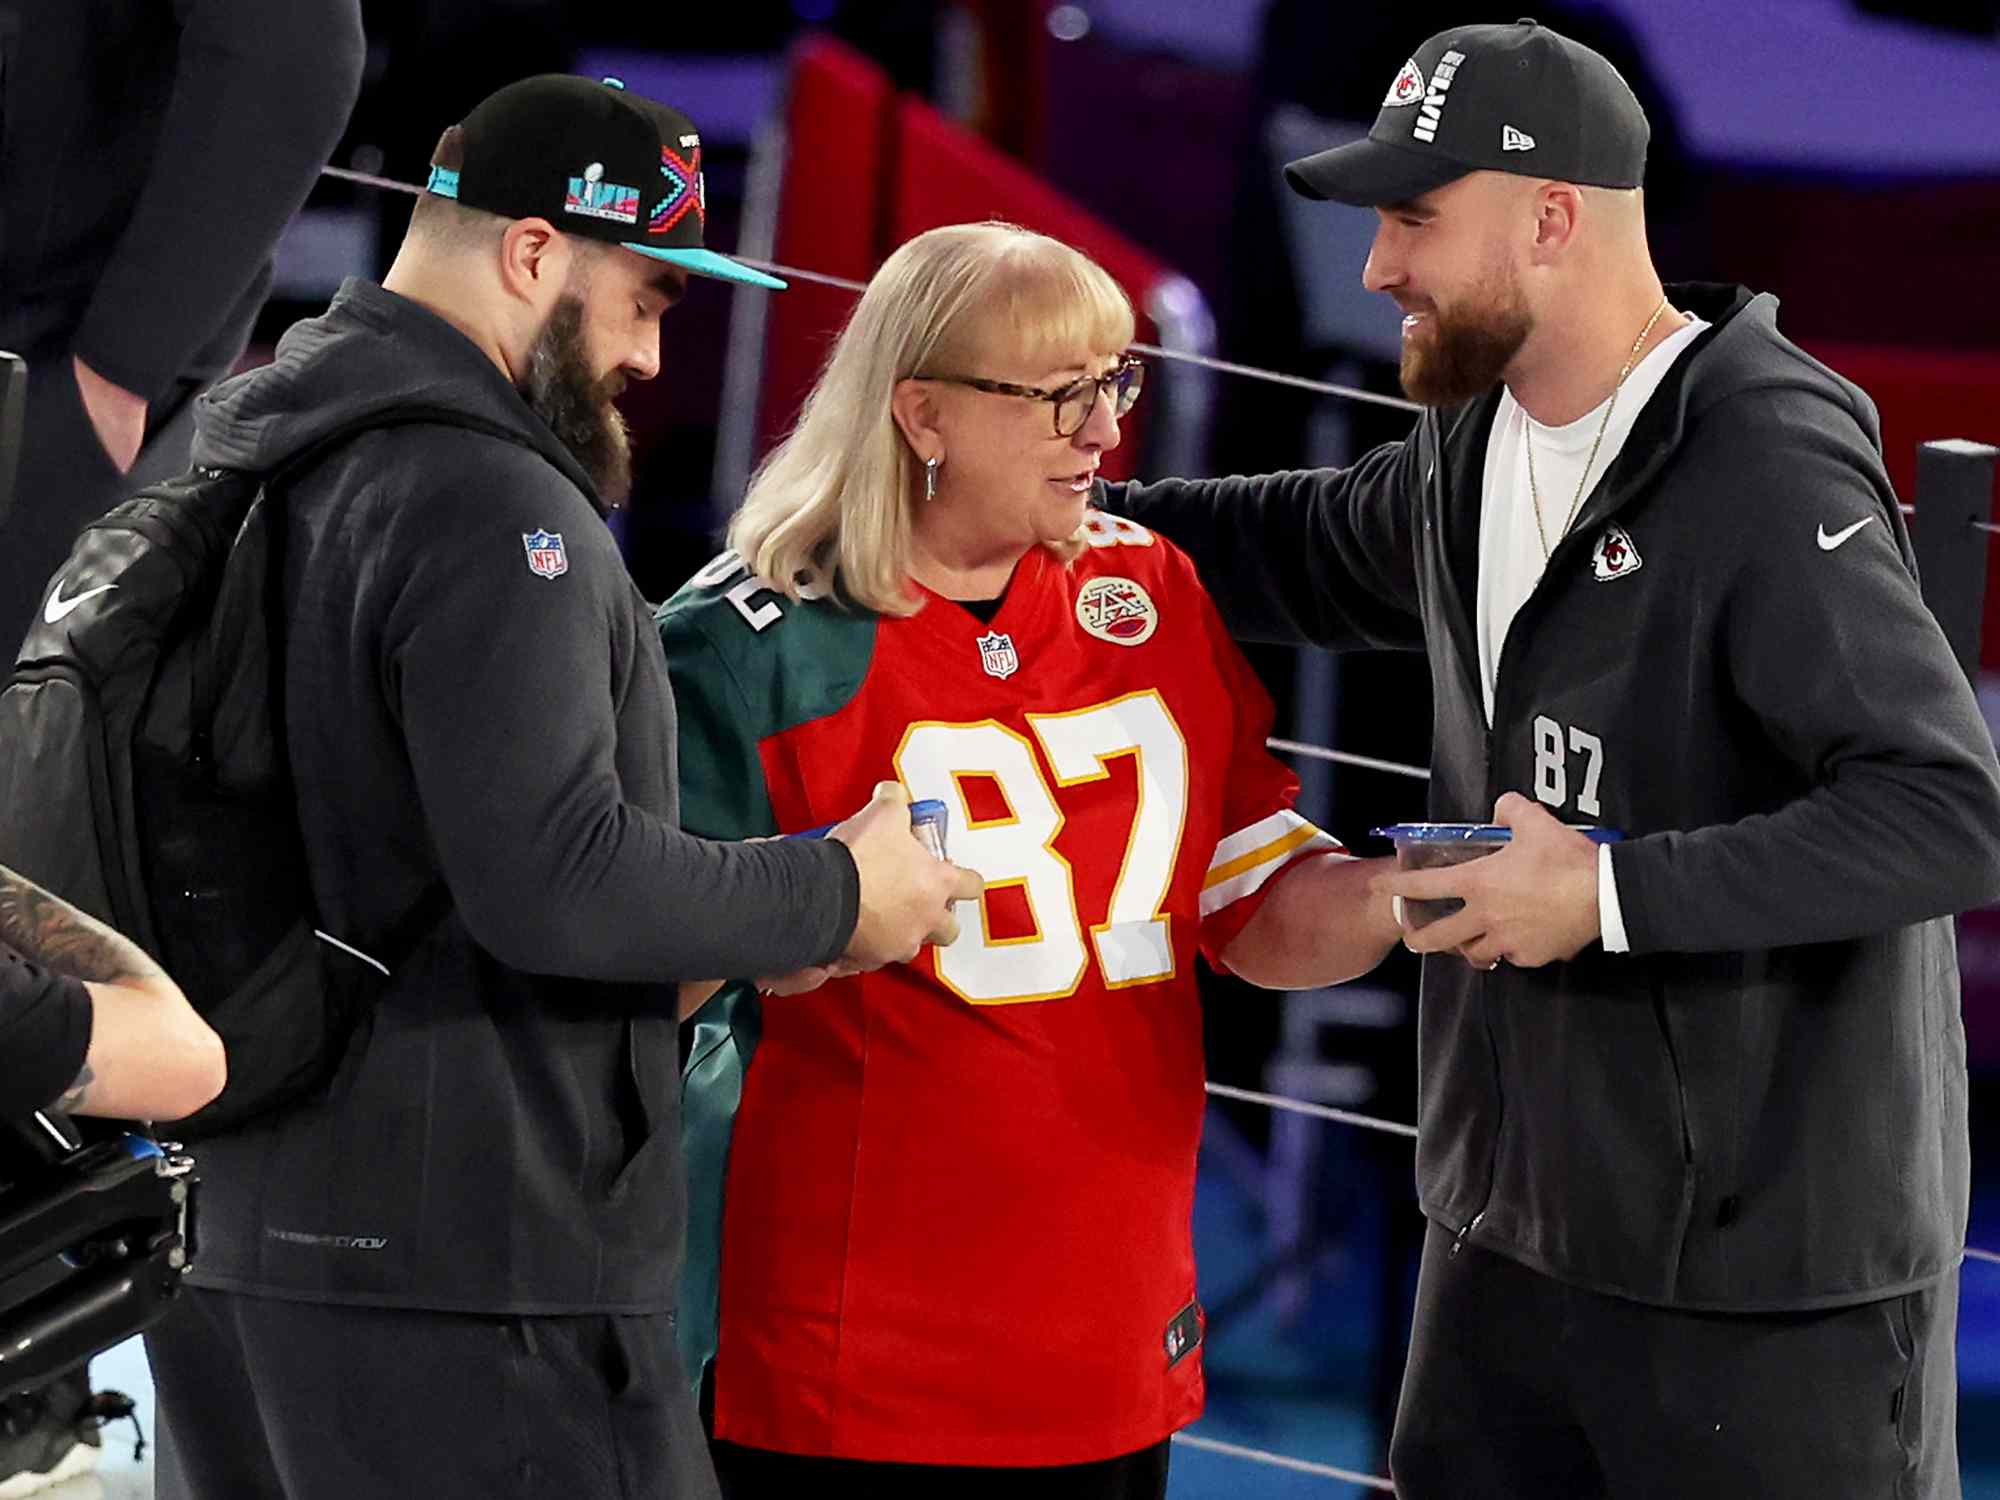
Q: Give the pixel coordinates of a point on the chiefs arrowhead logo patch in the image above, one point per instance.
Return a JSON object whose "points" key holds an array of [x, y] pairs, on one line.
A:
{"points": [[1614, 556], [1408, 87]]}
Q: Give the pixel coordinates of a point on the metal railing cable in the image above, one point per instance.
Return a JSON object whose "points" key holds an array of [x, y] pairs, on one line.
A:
{"points": [[1279, 1461], [1317, 1111], [1347, 758], [369, 179], [1156, 351], [848, 284]]}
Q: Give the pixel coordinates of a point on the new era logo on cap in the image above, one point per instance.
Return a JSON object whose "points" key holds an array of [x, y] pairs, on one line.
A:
{"points": [[1515, 140]]}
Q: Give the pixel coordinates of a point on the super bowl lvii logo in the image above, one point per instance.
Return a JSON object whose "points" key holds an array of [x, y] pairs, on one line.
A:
{"points": [[594, 198]]}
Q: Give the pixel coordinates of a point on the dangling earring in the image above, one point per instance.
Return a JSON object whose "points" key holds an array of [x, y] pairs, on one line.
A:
{"points": [[930, 478]]}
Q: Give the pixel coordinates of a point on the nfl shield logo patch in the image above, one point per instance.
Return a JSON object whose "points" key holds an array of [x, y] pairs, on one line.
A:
{"points": [[546, 558], [996, 654]]}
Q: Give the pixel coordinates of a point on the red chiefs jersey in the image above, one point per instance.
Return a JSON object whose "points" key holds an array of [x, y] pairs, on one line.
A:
{"points": [[956, 1222]]}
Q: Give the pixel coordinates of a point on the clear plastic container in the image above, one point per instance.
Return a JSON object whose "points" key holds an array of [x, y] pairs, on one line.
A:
{"points": [[1427, 846]]}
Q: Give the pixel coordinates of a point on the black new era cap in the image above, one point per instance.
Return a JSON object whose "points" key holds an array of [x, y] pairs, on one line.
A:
{"points": [[1517, 98], [595, 161]]}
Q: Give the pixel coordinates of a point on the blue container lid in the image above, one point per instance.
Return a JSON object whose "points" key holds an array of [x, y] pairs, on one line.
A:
{"points": [[924, 810], [1477, 833]]}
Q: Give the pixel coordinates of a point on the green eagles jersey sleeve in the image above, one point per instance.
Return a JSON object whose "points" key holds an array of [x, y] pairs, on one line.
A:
{"points": [[722, 796], [744, 664]]}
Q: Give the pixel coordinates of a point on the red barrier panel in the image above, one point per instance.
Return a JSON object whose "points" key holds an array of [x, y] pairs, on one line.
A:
{"points": [[831, 207]]}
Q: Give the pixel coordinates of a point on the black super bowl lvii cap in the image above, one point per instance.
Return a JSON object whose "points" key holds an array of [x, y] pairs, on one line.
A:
{"points": [[1518, 98], [596, 161]]}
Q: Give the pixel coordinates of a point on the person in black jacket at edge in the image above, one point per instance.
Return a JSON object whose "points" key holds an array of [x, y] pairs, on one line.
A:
{"points": [[454, 1275], [151, 152], [1693, 1105]]}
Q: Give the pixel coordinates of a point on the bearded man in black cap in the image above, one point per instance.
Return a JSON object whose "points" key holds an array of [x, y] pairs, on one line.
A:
{"points": [[1692, 1105], [453, 1275]]}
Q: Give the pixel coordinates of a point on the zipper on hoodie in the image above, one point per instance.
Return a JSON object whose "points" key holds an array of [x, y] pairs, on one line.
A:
{"points": [[1680, 1080], [1534, 605]]}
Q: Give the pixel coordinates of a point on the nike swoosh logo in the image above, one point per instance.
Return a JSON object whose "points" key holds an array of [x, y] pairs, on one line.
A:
{"points": [[1828, 543], [59, 608]]}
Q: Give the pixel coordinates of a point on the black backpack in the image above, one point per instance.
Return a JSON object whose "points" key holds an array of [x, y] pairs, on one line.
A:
{"points": [[143, 774]]}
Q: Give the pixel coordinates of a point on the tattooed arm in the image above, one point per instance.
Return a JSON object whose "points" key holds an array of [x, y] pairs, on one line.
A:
{"points": [[151, 1056], [45, 929]]}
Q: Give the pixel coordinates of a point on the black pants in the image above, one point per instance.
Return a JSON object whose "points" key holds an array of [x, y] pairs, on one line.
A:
{"points": [[1521, 1386], [262, 1399], [754, 1474]]}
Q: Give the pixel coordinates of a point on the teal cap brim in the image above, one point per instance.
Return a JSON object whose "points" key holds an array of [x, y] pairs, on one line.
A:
{"points": [[708, 263]]}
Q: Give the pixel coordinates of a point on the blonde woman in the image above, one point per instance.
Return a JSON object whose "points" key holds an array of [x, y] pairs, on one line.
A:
{"points": [[955, 1232]]}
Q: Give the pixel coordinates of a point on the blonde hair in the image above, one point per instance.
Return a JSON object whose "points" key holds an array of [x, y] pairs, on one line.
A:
{"points": [[830, 509]]}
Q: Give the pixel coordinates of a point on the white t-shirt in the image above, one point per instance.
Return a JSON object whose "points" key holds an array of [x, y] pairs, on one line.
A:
{"points": [[1511, 561]]}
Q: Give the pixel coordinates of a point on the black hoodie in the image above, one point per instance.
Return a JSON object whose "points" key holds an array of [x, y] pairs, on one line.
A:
{"points": [[475, 692], [1762, 1105]]}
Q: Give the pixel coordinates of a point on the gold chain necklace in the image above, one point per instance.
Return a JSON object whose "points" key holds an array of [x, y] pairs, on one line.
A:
{"points": [[1583, 479]]}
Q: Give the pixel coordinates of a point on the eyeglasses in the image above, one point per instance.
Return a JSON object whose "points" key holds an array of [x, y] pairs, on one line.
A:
{"points": [[1073, 403]]}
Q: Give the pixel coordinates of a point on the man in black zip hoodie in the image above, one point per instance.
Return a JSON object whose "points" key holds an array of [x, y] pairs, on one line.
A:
{"points": [[1692, 1106], [454, 1276]]}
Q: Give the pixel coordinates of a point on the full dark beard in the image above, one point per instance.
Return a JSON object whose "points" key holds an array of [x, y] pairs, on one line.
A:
{"points": [[578, 407], [1466, 352]]}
